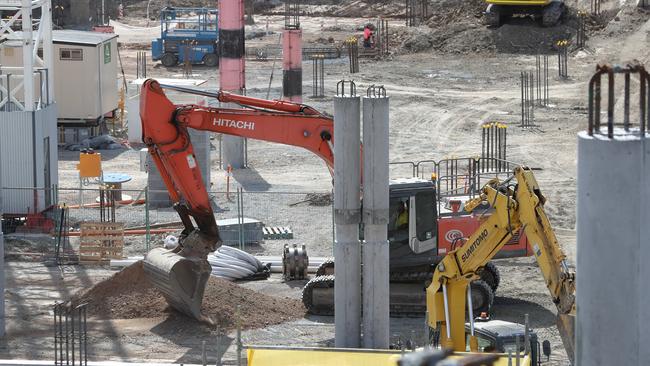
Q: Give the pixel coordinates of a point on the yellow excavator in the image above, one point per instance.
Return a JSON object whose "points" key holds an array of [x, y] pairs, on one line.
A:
{"points": [[498, 11], [517, 203]]}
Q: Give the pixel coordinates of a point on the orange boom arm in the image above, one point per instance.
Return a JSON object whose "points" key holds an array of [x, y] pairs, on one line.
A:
{"points": [[164, 131]]}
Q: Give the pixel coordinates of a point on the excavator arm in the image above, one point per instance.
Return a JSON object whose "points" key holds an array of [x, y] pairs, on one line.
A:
{"points": [[516, 206], [182, 273]]}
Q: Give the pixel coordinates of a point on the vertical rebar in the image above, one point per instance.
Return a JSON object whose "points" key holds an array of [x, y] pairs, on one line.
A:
{"points": [[61, 327], [85, 330], [610, 104], [523, 118], [532, 95], [546, 95], [204, 357], [67, 341], [597, 98], [626, 103], [72, 337], [538, 72], [147, 236], [239, 343], [218, 346], [644, 104], [80, 333]]}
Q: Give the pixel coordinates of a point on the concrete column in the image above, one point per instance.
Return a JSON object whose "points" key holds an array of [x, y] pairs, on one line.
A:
{"points": [[292, 65], [232, 69], [613, 283], [158, 196], [347, 216], [375, 286]]}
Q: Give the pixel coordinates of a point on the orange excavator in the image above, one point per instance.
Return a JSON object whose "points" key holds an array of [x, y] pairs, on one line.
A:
{"points": [[182, 273]]}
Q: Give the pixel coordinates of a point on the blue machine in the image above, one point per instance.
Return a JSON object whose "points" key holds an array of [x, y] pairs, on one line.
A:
{"points": [[187, 33]]}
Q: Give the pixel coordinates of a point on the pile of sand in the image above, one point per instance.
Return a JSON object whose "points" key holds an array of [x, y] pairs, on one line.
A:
{"points": [[128, 295], [458, 27]]}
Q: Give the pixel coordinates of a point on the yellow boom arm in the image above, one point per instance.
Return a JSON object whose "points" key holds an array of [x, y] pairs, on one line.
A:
{"points": [[516, 206]]}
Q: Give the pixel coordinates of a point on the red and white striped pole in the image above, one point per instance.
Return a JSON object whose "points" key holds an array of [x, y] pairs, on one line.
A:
{"points": [[292, 65], [292, 53], [232, 76]]}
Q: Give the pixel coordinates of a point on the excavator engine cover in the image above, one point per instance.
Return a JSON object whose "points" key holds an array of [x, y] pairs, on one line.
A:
{"points": [[181, 280]]}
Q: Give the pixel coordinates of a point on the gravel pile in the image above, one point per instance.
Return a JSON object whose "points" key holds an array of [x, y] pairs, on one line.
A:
{"points": [[129, 295]]}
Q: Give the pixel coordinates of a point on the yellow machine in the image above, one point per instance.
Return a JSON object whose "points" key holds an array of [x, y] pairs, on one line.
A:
{"points": [[516, 205], [550, 11]]}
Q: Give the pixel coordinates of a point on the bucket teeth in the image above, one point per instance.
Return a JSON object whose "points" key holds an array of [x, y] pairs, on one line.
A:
{"points": [[181, 280]]}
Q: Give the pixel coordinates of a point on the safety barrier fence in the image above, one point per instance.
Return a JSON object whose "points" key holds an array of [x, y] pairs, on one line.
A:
{"points": [[455, 176], [246, 219]]}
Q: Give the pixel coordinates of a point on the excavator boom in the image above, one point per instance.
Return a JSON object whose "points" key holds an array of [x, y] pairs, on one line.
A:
{"points": [[181, 274], [517, 205]]}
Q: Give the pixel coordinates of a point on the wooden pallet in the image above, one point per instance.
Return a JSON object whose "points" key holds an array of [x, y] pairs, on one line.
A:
{"points": [[101, 241], [277, 232]]}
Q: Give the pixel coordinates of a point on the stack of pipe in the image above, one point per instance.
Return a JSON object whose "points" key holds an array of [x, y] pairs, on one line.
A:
{"points": [[233, 264]]}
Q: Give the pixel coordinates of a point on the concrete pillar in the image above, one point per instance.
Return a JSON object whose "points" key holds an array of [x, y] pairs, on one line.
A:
{"points": [[375, 285], [292, 65], [232, 70], [158, 196], [613, 283], [347, 216]]}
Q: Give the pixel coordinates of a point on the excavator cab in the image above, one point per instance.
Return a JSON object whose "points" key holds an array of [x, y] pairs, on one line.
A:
{"points": [[413, 214]]}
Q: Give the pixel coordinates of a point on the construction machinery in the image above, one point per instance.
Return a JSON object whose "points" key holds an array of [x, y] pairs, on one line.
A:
{"points": [[435, 224], [498, 11], [518, 205], [181, 274], [187, 35]]}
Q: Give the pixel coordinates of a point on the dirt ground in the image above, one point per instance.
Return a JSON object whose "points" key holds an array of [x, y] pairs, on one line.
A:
{"points": [[440, 95]]}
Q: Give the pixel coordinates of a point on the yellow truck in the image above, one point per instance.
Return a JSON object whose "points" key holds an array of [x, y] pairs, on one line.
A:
{"points": [[550, 11]]}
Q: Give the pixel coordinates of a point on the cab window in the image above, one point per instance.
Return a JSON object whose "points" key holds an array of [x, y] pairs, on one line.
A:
{"points": [[484, 344], [425, 212]]}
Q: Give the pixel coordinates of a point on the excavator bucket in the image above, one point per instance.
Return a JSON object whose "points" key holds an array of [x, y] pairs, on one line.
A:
{"points": [[181, 280]]}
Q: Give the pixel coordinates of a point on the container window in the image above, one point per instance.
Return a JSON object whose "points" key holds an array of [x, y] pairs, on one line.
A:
{"points": [[71, 54]]}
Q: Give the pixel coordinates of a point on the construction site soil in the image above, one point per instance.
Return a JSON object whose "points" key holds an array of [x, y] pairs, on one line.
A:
{"points": [[445, 78], [129, 295]]}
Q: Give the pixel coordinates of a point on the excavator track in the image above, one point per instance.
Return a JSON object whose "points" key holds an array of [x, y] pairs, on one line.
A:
{"points": [[407, 298]]}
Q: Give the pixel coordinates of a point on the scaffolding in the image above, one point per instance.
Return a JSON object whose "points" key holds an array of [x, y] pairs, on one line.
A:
{"points": [[34, 18]]}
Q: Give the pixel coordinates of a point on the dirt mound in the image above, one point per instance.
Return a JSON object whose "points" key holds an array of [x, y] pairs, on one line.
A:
{"points": [[459, 27], [128, 295]]}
